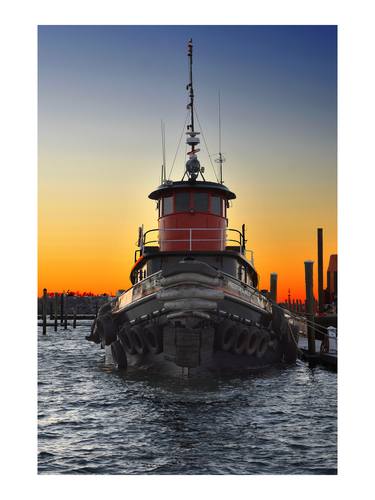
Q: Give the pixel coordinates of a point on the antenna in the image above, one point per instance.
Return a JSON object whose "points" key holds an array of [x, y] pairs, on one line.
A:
{"points": [[164, 166], [220, 160], [219, 124]]}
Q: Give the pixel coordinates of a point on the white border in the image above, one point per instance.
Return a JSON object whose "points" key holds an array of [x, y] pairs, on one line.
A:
{"points": [[356, 248]]}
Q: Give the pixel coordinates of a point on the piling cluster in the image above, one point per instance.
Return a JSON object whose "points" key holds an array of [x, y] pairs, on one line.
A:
{"points": [[60, 308]]}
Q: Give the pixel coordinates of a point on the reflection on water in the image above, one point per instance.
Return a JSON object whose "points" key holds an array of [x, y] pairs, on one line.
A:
{"points": [[93, 419]]}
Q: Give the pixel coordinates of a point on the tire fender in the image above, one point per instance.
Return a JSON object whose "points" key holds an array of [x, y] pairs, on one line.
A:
{"points": [[139, 343], [241, 340], [226, 335], [252, 341], [262, 347], [119, 355], [126, 339], [153, 339]]}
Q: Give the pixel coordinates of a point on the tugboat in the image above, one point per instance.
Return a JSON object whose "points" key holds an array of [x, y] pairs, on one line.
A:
{"points": [[194, 304]]}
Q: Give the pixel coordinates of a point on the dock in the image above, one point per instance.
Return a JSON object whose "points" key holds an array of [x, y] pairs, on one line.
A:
{"points": [[60, 308], [327, 359]]}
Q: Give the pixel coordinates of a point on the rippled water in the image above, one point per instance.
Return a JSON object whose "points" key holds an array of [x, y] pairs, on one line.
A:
{"points": [[92, 419]]}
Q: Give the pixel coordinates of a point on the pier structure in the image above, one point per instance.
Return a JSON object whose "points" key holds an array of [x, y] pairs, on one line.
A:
{"points": [[273, 287], [67, 310]]}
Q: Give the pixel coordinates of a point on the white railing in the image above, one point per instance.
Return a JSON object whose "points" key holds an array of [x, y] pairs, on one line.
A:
{"points": [[245, 291], [190, 238], [228, 284], [139, 290]]}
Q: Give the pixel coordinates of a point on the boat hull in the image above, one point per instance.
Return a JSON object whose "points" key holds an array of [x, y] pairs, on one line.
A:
{"points": [[194, 320]]}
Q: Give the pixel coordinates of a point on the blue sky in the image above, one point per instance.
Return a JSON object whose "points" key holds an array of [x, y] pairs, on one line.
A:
{"points": [[103, 91]]}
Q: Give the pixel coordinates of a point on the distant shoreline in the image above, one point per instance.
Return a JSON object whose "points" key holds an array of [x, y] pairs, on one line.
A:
{"points": [[80, 304]]}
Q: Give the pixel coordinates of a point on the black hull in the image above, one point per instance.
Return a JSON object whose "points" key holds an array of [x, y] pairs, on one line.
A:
{"points": [[220, 364], [194, 323], [216, 361]]}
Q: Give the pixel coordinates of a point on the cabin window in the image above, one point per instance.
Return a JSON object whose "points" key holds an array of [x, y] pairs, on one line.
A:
{"points": [[216, 205], [167, 205], [242, 274], [224, 208], [201, 202], [182, 201]]}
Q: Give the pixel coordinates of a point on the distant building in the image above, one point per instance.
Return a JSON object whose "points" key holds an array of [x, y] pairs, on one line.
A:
{"points": [[331, 290]]}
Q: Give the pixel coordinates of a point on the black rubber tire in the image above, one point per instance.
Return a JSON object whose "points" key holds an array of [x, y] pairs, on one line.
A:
{"points": [[94, 334], [139, 344], [105, 308], [252, 341], [226, 335], [274, 343], [92, 328], [241, 341], [153, 339], [106, 328], [265, 320], [119, 355], [262, 347], [127, 341]]}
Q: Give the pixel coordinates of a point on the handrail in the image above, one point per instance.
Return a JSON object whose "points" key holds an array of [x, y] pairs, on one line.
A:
{"points": [[246, 285], [223, 239], [135, 291], [254, 292]]}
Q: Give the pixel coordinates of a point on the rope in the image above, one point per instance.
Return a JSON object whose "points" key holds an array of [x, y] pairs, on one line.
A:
{"points": [[294, 340], [297, 315], [316, 327], [178, 146], [205, 143]]}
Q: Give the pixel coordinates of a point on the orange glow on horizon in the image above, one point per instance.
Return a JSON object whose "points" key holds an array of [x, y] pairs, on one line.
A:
{"points": [[91, 247]]}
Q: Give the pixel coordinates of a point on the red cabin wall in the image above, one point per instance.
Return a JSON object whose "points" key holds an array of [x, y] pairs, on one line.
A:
{"points": [[192, 230], [189, 237]]}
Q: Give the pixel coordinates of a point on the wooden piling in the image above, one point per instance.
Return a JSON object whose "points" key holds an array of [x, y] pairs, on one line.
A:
{"points": [[62, 308], [44, 311], [310, 305], [335, 284], [56, 310], [75, 313], [273, 286], [96, 309], [320, 270]]}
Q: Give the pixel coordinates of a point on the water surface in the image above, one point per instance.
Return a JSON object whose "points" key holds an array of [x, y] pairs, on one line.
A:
{"points": [[93, 419]]}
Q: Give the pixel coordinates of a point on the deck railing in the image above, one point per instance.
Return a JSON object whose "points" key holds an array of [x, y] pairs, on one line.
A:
{"points": [[191, 236]]}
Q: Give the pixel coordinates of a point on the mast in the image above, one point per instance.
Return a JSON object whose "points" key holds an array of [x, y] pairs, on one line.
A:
{"points": [[220, 155], [163, 166], [190, 85], [193, 167]]}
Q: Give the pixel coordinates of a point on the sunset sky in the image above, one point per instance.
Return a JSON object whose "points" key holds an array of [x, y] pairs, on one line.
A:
{"points": [[102, 93]]}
